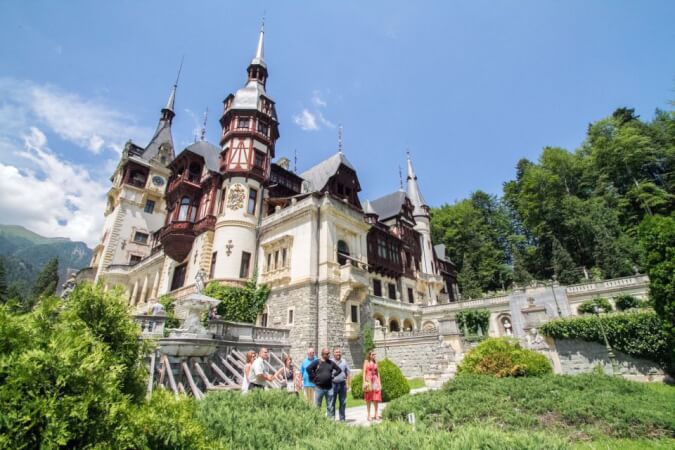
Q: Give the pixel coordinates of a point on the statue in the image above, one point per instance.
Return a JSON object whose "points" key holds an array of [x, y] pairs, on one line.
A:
{"points": [[199, 281], [535, 340]]}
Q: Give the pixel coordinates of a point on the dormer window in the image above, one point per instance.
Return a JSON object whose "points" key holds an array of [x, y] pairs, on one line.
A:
{"points": [[243, 123], [194, 173]]}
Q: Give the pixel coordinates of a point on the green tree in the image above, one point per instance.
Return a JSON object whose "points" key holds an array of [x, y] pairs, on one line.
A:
{"points": [[657, 241], [239, 304], [4, 294], [563, 265], [48, 280]]}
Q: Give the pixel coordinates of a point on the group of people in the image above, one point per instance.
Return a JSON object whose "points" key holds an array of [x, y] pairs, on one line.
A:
{"points": [[318, 379]]}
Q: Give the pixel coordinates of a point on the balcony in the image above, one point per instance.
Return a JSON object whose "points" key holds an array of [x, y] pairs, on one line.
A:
{"points": [[177, 239], [353, 280], [206, 223]]}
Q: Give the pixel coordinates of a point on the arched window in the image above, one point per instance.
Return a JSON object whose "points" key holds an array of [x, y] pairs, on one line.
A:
{"points": [[393, 325], [193, 211], [342, 251], [408, 325], [183, 209], [194, 172]]}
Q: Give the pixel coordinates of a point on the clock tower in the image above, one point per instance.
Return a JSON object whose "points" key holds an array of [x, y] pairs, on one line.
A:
{"points": [[250, 130], [135, 208]]}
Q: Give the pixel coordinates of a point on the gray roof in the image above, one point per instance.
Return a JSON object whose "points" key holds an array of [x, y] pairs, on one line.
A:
{"points": [[389, 205], [440, 253], [162, 136], [368, 208], [206, 150], [318, 175], [414, 193]]}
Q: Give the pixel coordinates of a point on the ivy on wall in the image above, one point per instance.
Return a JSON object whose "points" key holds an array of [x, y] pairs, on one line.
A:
{"points": [[638, 334]]}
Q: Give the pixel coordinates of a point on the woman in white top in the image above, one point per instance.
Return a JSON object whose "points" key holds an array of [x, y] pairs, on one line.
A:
{"points": [[247, 370], [287, 376]]}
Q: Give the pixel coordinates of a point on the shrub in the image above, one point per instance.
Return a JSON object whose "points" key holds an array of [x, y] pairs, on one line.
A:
{"points": [[624, 302], [239, 304], [588, 307], [169, 304], [469, 322], [636, 333], [504, 357], [580, 407], [394, 384], [368, 341]]}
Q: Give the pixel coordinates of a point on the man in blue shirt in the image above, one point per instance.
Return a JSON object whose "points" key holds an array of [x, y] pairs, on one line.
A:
{"points": [[340, 382], [307, 385]]}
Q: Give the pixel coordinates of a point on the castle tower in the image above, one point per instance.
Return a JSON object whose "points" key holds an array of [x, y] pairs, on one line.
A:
{"points": [[422, 220], [249, 132], [135, 209]]}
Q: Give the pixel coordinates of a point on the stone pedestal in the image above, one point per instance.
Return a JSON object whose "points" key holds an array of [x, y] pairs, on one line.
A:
{"points": [[193, 339]]}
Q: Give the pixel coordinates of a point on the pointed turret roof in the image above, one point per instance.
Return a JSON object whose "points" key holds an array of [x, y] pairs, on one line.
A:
{"points": [[319, 175], [420, 207], [259, 58]]}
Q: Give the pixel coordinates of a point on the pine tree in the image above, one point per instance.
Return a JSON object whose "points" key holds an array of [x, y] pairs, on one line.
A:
{"points": [[48, 279], [563, 264]]}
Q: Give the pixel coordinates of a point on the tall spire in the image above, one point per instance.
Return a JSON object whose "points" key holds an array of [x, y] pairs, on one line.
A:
{"points": [[420, 207], [340, 139], [168, 111], [260, 49], [203, 132]]}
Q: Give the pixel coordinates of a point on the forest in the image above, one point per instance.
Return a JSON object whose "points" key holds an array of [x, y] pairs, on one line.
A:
{"points": [[570, 215]]}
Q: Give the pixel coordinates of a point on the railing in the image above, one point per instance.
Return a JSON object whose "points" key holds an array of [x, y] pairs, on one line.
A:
{"points": [[381, 301], [176, 226], [406, 334], [245, 332], [204, 224], [637, 280], [151, 326]]}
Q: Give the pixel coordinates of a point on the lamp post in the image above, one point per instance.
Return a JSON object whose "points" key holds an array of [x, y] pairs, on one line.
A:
{"points": [[555, 299], [610, 352]]}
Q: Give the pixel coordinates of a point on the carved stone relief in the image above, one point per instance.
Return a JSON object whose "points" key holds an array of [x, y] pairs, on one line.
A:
{"points": [[235, 198]]}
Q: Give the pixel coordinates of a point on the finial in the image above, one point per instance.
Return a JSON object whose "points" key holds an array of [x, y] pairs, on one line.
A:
{"points": [[180, 68], [295, 161], [407, 153], [206, 115], [400, 178], [340, 139]]}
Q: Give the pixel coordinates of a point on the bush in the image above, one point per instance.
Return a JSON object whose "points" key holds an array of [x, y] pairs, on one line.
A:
{"points": [[580, 407], [469, 322], [504, 357], [624, 302], [636, 333], [394, 384], [588, 307], [239, 304]]}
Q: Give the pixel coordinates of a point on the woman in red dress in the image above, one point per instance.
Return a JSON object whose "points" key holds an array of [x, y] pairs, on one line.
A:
{"points": [[372, 388]]}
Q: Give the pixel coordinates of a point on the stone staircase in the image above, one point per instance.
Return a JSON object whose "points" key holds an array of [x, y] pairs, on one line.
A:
{"points": [[442, 369]]}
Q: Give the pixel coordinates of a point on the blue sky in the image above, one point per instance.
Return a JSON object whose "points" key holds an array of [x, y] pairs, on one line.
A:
{"points": [[468, 87]]}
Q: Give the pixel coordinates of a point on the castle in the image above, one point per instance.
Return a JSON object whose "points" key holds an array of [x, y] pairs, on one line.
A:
{"points": [[335, 263]]}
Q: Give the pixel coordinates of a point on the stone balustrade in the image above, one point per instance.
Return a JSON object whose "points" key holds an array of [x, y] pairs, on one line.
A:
{"points": [[608, 285], [381, 301], [151, 326], [246, 332], [469, 304]]}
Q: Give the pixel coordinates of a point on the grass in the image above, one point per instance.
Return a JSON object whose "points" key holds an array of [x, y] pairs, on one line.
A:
{"points": [[585, 409]]}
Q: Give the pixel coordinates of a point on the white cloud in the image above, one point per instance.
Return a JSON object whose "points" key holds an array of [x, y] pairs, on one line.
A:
{"points": [[51, 197], [306, 120], [318, 100], [89, 124], [313, 119]]}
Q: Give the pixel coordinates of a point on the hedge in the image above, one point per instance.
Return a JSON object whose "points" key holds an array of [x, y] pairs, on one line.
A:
{"points": [[504, 357], [394, 384], [636, 333], [588, 307]]}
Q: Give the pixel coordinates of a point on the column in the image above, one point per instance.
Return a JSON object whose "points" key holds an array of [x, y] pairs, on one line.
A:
{"points": [[144, 291], [132, 299], [155, 286]]}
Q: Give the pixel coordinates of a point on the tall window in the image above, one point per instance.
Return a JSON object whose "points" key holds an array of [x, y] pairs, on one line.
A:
{"points": [[221, 207], [283, 257], [411, 296], [392, 291], [149, 206], [183, 210], [214, 258], [245, 263], [259, 160], [290, 317], [355, 313], [252, 197], [263, 127], [342, 252], [193, 211], [377, 288], [178, 277]]}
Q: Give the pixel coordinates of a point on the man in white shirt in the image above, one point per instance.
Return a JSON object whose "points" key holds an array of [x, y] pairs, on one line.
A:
{"points": [[258, 375]]}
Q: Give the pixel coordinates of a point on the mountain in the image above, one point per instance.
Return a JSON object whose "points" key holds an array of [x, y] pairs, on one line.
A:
{"points": [[25, 253]]}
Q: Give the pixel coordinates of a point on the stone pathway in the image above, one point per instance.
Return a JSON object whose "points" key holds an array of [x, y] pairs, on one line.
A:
{"points": [[358, 415]]}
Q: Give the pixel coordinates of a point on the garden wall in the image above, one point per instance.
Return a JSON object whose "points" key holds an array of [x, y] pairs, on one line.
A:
{"points": [[577, 356]]}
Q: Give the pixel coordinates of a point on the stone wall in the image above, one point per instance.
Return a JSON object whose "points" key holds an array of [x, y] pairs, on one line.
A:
{"points": [[577, 356], [416, 356]]}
